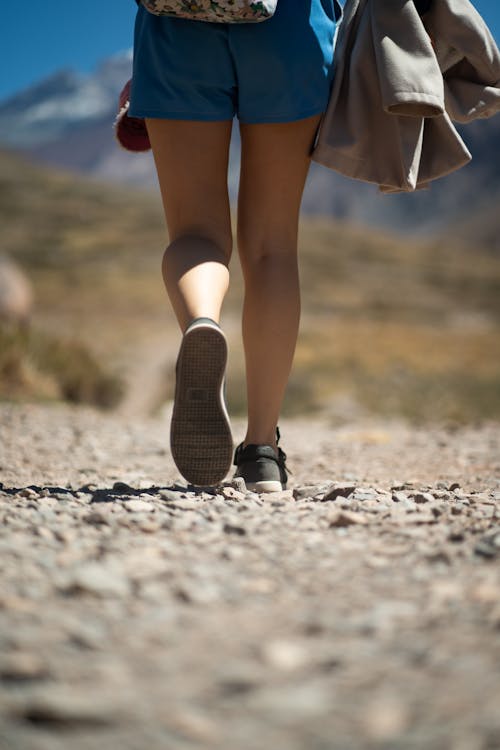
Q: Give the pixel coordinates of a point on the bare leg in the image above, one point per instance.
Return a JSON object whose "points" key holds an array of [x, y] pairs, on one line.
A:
{"points": [[191, 159], [274, 166]]}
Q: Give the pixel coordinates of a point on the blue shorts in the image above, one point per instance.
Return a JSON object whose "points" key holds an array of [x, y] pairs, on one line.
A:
{"points": [[277, 70]]}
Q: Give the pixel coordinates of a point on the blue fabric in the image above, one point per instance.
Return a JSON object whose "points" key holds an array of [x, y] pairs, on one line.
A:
{"points": [[277, 70]]}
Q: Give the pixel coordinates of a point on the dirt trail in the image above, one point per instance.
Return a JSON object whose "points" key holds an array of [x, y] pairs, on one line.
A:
{"points": [[359, 608]]}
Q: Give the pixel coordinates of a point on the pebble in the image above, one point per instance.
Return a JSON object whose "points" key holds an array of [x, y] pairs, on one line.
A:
{"points": [[399, 496], [233, 494], [342, 518], [138, 506], [489, 545], [96, 578], [28, 492], [342, 490], [122, 487], [96, 518], [363, 495], [423, 497], [286, 655], [232, 528], [65, 706], [23, 666], [307, 491]]}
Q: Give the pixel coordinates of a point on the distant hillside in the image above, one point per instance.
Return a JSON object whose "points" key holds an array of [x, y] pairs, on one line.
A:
{"points": [[66, 120]]}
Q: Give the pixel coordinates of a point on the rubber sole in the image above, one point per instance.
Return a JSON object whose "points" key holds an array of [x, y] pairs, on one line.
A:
{"points": [[200, 433], [264, 486]]}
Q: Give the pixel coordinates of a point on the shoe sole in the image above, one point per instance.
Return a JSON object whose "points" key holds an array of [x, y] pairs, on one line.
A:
{"points": [[200, 433], [264, 486]]}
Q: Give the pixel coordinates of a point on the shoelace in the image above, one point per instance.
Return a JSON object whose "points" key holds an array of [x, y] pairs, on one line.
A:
{"points": [[281, 453]]}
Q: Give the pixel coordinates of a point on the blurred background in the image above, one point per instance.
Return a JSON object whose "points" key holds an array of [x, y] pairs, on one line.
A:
{"points": [[400, 294]]}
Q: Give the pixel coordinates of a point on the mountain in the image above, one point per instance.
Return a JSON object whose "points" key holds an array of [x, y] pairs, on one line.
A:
{"points": [[66, 120]]}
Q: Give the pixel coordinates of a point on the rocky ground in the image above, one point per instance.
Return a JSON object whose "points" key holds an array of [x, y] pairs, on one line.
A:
{"points": [[358, 609]]}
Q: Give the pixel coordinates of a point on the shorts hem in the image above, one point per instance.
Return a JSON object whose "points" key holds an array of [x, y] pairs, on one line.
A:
{"points": [[281, 118], [155, 114]]}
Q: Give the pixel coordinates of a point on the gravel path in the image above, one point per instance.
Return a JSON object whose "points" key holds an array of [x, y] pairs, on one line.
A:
{"points": [[358, 609]]}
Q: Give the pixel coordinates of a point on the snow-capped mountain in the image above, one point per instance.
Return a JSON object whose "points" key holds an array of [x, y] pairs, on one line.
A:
{"points": [[66, 120], [45, 111]]}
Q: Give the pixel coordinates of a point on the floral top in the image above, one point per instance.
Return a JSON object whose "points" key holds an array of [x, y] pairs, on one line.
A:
{"points": [[224, 11]]}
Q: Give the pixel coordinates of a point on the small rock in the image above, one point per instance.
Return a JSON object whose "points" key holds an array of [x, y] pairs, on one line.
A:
{"points": [[23, 666], [44, 532], [385, 718], [232, 528], [420, 518], [138, 506], [28, 492], [342, 490], [184, 503], [439, 556], [423, 497], [195, 726], [489, 545], [233, 494], [455, 534], [237, 483], [169, 495], [65, 706], [96, 518], [66, 535], [123, 487], [98, 579], [399, 497], [307, 491], [342, 518], [286, 655], [192, 592]]}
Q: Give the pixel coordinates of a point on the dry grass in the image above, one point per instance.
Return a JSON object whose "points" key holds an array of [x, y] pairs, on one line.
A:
{"points": [[37, 365]]}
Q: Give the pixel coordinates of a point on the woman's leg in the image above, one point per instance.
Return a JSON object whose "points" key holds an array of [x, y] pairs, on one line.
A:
{"points": [[191, 160], [274, 164]]}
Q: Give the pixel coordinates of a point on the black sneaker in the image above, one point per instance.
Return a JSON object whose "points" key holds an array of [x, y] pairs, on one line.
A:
{"points": [[200, 433], [261, 468]]}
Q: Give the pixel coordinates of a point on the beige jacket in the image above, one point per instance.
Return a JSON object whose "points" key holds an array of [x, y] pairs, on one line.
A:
{"points": [[400, 80]]}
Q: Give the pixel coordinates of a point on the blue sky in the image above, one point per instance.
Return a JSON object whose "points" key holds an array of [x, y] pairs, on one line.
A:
{"points": [[41, 37]]}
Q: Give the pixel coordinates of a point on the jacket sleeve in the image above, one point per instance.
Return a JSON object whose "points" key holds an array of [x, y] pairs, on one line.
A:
{"points": [[468, 57], [410, 79]]}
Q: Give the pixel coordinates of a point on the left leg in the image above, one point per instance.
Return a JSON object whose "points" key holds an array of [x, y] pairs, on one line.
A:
{"points": [[191, 157], [274, 166], [191, 160]]}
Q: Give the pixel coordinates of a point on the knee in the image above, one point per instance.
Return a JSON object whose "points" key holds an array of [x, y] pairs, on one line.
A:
{"points": [[269, 258], [199, 242]]}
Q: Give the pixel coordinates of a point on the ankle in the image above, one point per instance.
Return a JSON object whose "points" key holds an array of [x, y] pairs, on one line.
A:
{"points": [[261, 439]]}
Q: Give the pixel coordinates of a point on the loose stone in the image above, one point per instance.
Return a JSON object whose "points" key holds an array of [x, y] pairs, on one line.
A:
{"points": [[342, 518], [138, 506], [342, 490]]}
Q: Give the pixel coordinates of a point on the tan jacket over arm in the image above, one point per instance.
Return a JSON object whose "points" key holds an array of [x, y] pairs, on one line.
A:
{"points": [[395, 92]]}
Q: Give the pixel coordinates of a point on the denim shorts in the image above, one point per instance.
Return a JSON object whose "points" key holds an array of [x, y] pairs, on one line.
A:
{"points": [[277, 70]]}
